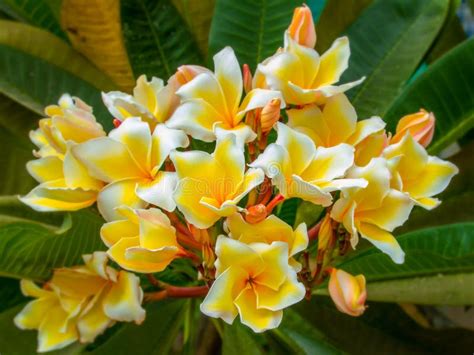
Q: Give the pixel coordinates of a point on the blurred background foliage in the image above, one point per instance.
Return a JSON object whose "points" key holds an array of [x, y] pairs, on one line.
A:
{"points": [[414, 53]]}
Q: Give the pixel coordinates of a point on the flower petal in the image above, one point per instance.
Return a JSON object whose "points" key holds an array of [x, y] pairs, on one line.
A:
{"points": [[76, 174], [33, 314], [233, 253], [93, 323], [274, 161], [112, 232], [159, 192], [382, 240], [308, 192], [156, 230], [118, 194], [365, 128], [275, 259], [52, 334], [166, 140], [310, 121], [107, 160], [229, 76], [257, 98], [340, 117], [45, 169], [258, 319], [219, 302], [149, 261], [123, 301], [333, 63]]}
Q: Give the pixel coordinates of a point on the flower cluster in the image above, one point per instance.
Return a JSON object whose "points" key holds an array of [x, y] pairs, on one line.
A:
{"points": [[286, 132]]}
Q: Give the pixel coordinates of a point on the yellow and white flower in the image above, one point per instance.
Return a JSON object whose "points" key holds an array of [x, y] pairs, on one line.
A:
{"points": [[65, 184], [129, 160], [254, 281], [213, 100], [373, 211], [416, 173], [348, 292], [302, 75], [271, 229], [143, 242], [153, 101], [211, 185], [336, 123], [80, 303], [299, 169]]}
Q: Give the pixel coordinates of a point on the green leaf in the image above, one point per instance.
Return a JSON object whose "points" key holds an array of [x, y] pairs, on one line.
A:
{"points": [[308, 213], [29, 250], [388, 42], [254, 29], [239, 340], [336, 18], [10, 293], [287, 210], [155, 335], [157, 38], [41, 13], [300, 337], [455, 290], [431, 251], [447, 89], [198, 16]]}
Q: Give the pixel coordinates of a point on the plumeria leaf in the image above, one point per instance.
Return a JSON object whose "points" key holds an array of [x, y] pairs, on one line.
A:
{"points": [[157, 38], [388, 41], [41, 13], [29, 250], [254, 29], [238, 340], [94, 29], [446, 89]]}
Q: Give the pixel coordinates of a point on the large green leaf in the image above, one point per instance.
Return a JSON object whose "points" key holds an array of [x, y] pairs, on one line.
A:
{"points": [[300, 337], [431, 251], [447, 89], [336, 17], [41, 13], [10, 294], [254, 29], [29, 250], [239, 340], [388, 41], [154, 336], [157, 38]]}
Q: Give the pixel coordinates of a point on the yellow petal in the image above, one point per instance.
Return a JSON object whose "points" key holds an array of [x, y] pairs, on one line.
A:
{"points": [[233, 253], [31, 289], [76, 174], [33, 314], [382, 240], [113, 231], [257, 98], [229, 76], [310, 121], [56, 196], [219, 302], [123, 301], [333, 63], [164, 141], [107, 160], [258, 319], [117, 194], [196, 165], [158, 191], [93, 323], [45, 169], [275, 259], [51, 335], [365, 128], [290, 292], [340, 117], [156, 230], [308, 58], [230, 158], [307, 191], [148, 261], [252, 178]]}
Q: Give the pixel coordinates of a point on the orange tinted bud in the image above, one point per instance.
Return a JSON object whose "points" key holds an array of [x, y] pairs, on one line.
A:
{"points": [[270, 115], [247, 74], [420, 125], [302, 27], [186, 73], [348, 292], [326, 233], [256, 213]]}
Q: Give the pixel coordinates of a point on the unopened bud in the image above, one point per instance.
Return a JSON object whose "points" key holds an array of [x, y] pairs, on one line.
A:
{"points": [[348, 292], [302, 27], [270, 115], [420, 125], [247, 75], [186, 73], [208, 255], [326, 233], [116, 122], [256, 213]]}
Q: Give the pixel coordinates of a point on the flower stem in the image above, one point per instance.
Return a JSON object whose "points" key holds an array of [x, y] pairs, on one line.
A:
{"points": [[177, 292]]}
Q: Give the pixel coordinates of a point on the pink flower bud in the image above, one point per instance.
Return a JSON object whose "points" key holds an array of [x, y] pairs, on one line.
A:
{"points": [[186, 73], [302, 27], [348, 292], [247, 74], [420, 125], [270, 115]]}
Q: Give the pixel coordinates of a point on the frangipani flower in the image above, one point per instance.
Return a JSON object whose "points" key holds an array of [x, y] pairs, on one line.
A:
{"points": [[65, 184], [336, 123], [254, 281], [299, 169], [211, 185], [79, 303], [271, 229], [302, 75], [213, 100], [153, 101], [143, 242], [348, 292], [374, 211], [420, 125], [416, 173], [129, 160]]}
